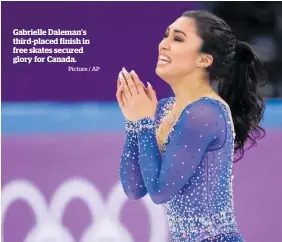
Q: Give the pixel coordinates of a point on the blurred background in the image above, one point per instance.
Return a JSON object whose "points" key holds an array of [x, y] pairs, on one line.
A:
{"points": [[63, 133]]}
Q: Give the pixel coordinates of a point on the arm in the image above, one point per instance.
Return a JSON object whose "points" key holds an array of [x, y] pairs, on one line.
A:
{"points": [[130, 173], [200, 124]]}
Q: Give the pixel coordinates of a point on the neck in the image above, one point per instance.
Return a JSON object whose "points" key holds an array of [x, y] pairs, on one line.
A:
{"points": [[190, 88]]}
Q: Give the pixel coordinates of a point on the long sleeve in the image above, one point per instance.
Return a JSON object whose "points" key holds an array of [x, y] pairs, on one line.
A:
{"points": [[200, 125], [130, 173]]}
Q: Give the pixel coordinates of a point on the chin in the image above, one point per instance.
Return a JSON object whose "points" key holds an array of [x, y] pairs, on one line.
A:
{"points": [[163, 73]]}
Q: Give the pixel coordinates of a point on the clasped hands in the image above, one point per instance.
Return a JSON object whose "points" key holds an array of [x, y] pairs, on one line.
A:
{"points": [[135, 100]]}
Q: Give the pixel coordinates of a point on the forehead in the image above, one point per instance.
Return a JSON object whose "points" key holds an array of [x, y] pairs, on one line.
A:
{"points": [[185, 24]]}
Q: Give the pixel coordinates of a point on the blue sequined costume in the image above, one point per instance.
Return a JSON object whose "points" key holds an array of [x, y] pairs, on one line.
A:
{"points": [[191, 176]]}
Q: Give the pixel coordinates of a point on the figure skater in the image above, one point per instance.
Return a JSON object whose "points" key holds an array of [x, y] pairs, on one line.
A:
{"points": [[181, 149]]}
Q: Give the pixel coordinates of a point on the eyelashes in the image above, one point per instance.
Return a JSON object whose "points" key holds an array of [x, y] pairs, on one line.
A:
{"points": [[176, 39]]}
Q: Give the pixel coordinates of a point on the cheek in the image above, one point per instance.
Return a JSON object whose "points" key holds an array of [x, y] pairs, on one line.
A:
{"points": [[187, 60]]}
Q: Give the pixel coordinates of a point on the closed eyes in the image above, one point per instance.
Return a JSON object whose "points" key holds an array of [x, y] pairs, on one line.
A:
{"points": [[176, 39]]}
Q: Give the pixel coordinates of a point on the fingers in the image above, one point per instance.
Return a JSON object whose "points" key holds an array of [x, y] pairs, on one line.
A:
{"points": [[132, 85], [130, 82], [147, 93], [152, 92], [123, 97], [118, 83], [126, 91], [121, 100], [125, 94], [139, 84]]}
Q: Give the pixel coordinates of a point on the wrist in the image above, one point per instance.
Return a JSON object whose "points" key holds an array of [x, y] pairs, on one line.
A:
{"points": [[131, 127], [147, 124]]}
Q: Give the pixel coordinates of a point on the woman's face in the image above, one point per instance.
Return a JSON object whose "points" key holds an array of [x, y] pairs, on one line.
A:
{"points": [[179, 49]]}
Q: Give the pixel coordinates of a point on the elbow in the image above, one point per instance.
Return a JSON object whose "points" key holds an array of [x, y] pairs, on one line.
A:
{"points": [[135, 194], [159, 199]]}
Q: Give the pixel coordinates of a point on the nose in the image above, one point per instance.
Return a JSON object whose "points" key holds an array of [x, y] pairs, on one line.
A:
{"points": [[164, 44]]}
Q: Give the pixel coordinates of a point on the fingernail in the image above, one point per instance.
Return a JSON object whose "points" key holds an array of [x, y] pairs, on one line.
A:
{"points": [[120, 77], [133, 72], [149, 84], [123, 69]]}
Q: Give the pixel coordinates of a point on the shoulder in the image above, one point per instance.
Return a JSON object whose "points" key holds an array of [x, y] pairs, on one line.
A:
{"points": [[203, 114], [205, 107]]}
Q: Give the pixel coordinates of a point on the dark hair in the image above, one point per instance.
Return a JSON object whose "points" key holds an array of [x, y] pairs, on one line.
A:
{"points": [[238, 70]]}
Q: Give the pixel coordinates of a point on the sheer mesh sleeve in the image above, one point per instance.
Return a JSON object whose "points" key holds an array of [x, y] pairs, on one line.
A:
{"points": [[200, 125], [130, 174]]}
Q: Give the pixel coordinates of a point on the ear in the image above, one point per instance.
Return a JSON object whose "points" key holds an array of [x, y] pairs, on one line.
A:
{"points": [[205, 60]]}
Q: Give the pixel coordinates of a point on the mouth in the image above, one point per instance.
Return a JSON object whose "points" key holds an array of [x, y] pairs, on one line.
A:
{"points": [[163, 60]]}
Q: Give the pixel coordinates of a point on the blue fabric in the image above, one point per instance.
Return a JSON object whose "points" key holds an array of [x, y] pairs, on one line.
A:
{"points": [[232, 237], [191, 174], [130, 172]]}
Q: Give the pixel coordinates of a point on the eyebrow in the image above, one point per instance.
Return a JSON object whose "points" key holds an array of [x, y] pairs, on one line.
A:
{"points": [[177, 31]]}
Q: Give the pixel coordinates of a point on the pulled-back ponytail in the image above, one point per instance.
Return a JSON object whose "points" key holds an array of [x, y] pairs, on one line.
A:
{"points": [[238, 70], [239, 90]]}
